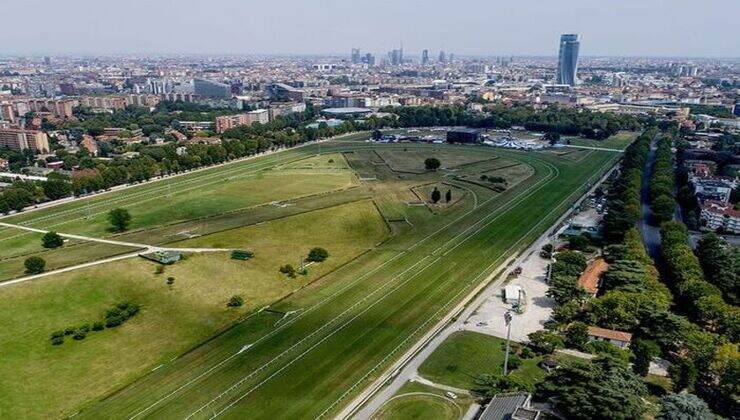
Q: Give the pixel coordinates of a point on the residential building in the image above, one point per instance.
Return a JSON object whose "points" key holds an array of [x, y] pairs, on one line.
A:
{"points": [[19, 139], [568, 59], [713, 189], [620, 339], [226, 122], [355, 57], [720, 215], [510, 406], [591, 277]]}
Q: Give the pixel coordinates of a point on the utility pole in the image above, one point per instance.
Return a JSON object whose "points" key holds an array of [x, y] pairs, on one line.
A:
{"points": [[507, 319]]}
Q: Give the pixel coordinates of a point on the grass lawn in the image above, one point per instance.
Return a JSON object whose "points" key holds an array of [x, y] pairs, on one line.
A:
{"points": [[412, 159], [466, 354], [418, 401], [226, 194], [618, 141], [343, 330], [323, 161], [172, 319], [73, 252], [353, 323]]}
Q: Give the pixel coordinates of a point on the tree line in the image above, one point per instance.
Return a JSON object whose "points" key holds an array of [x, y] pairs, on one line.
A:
{"points": [[663, 181]]}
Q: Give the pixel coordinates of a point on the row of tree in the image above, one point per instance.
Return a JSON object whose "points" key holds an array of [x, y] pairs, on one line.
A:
{"points": [[623, 200], [663, 181], [701, 300]]}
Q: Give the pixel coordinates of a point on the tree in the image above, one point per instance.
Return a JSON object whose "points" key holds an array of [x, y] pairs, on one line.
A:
{"points": [[432, 164], [119, 219], [663, 207], [317, 254], [720, 264], [544, 342], [487, 385], [602, 389], [52, 240], [576, 336], [682, 372], [448, 196], [644, 351], [170, 281], [34, 265], [235, 301], [377, 135], [579, 242], [683, 407], [552, 138], [436, 195]]}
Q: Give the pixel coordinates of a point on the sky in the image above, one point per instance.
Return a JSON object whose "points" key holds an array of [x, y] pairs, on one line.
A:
{"points": [[686, 28]]}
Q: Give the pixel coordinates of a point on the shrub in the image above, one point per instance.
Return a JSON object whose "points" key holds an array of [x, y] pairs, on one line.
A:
{"points": [[288, 270], [514, 362], [79, 335], [84, 328], [57, 340], [160, 269], [432, 164], [113, 321], [52, 240], [544, 342], [235, 301], [69, 330], [527, 353], [98, 326], [170, 281], [34, 265], [317, 254], [57, 334]]}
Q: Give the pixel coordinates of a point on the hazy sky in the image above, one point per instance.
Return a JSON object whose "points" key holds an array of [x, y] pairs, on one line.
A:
{"points": [[490, 27]]}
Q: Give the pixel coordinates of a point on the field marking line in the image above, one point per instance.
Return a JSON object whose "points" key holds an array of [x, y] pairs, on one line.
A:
{"points": [[412, 352], [497, 212], [444, 397], [328, 298]]}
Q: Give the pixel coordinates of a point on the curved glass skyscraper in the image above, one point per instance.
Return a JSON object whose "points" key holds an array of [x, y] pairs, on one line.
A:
{"points": [[568, 59]]}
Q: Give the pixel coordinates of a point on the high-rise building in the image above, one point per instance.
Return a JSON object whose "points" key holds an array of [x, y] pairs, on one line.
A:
{"points": [[442, 57], [18, 139], [425, 57], [355, 56], [210, 89], [568, 59], [396, 57], [369, 59]]}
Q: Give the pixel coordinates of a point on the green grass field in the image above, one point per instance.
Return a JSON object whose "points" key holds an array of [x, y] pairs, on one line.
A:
{"points": [[173, 319], [464, 355], [618, 141], [341, 330]]}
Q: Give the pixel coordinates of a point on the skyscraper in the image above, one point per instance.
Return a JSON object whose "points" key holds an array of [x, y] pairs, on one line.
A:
{"points": [[568, 59], [355, 56], [442, 57], [425, 57]]}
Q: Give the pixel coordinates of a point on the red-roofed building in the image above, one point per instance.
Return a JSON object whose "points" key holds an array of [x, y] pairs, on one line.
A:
{"points": [[590, 278]]}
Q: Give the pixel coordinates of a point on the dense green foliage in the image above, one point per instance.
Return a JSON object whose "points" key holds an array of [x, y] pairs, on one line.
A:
{"points": [[52, 240], [663, 181], [683, 407], [120, 219], [721, 265], [34, 265], [317, 254], [603, 389], [623, 200], [701, 300]]}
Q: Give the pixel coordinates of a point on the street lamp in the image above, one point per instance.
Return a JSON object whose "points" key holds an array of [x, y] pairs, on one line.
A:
{"points": [[507, 319]]}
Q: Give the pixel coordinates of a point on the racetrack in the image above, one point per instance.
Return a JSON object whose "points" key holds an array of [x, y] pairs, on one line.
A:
{"points": [[358, 319]]}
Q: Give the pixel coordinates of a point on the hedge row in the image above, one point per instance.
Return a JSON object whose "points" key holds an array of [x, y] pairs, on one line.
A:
{"points": [[114, 317]]}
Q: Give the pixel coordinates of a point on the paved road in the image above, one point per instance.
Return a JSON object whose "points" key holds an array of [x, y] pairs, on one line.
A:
{"points": [[406, 368]]}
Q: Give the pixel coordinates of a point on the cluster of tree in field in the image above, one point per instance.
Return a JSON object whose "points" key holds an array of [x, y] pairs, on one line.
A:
{"points": [[623, 201], [114, 317], [701, 300], [22, 193], [561, 120], [663, 181], [717, 111]]}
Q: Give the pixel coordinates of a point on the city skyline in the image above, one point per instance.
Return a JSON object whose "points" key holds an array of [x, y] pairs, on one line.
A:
{"points": [[529, 28]]}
